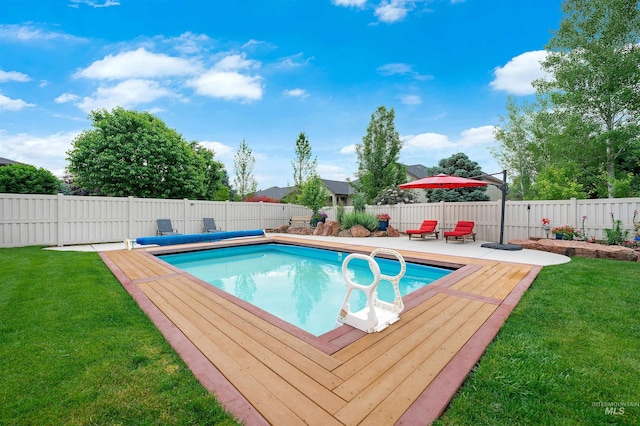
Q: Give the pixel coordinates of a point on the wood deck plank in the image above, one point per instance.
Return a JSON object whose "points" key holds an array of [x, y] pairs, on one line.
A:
{"points": [[269, 334], [397, 402], [256, 390], [389, 377], [411, 333], [368, 379], [239, 360], [366, 342], [396, 357], [300, 379]]}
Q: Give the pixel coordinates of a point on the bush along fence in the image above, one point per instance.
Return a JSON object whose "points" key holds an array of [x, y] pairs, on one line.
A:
{"points": [[27, 219]]}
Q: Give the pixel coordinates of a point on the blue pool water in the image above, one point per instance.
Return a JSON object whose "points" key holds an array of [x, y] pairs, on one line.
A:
{"points": [[301, 285]]}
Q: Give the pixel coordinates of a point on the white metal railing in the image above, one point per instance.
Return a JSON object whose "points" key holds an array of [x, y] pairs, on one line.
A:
{"points": [[30, 219]]}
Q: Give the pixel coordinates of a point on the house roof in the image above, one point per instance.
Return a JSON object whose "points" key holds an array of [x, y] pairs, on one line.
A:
{"points": [[6, 162], [275, 192], [417, 170], [339, 187]]}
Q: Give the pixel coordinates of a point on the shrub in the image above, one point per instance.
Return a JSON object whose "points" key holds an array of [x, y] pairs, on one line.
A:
{"points": [[359, 203], [352, 219], [395, 196], [27, 179]]}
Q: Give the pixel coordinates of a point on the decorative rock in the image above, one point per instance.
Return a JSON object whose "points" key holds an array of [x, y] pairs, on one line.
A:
{"points": [[360, 231], [344, 233], [319, 229], [331, 228], [392, 232], [580, 249], [379, 234]]}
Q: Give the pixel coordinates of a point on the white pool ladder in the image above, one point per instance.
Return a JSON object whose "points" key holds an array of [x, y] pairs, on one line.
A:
{"points": [[377, 314]]}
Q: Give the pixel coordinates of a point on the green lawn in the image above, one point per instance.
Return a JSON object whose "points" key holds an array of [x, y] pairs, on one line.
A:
{"points": [[572, 342], [76, 349]]}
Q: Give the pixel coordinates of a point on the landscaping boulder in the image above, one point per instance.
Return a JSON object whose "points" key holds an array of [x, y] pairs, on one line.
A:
{"points": [[360, 231], [319, 230], [331, 228], [580, 249]]}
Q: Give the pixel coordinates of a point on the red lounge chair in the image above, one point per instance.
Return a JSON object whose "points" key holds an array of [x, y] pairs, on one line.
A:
{"points": [[462, 230], [428, 227]]}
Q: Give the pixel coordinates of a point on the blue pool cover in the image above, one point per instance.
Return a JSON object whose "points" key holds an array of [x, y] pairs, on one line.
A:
{"points": [[169, 240]]}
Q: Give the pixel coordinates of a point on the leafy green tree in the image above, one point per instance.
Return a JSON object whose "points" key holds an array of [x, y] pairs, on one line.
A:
{"points": [[27, 179], [593, 60], [378, 166], [243, 164], [458, 165], [557, 183], [214, 173], [130, 153], [303, 166], [313, 194]]}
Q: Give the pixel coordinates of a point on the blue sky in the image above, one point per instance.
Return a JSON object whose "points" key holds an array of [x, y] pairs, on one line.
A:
{"points": [[265, 70]]}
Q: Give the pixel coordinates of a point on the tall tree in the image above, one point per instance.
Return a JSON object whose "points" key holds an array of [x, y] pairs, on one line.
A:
{"points": [[458, 165], [243, 163], [303, 166], [130, 153], [593, 60], [214, 173], [378, 166]]}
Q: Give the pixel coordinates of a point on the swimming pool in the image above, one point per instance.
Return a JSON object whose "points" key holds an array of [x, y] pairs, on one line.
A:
{"points": [[301, 285]]}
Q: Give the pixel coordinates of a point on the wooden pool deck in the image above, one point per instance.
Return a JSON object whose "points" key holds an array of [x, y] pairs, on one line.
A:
{"points": [[266, 371]]}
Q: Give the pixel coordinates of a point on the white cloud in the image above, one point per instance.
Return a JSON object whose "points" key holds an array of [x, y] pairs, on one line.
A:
{"points": [[228, 85], [434, 141], [189, 43], [222, 151], [296, 93], [126, 94], [13, 104], [294, 61], [349, 149], [392, 11], [66, 97], [477, 136], [401, 69], [332, 172], [13, 76], [235, 63], [349, 3], [516, 76], [138, 63], [29, 33], [410, 99], [94, 3], [427, 141], [41, 151], [393, 69]]}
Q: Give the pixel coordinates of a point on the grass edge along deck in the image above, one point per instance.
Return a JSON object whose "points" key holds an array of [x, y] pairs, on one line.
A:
{"points": [[265, 372]]}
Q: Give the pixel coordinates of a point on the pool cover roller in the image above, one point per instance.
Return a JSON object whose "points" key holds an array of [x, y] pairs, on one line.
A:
{"points": [[170, 240]]}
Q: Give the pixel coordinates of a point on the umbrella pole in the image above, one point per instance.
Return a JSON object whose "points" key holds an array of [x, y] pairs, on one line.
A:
{"points": [[501, 245]]}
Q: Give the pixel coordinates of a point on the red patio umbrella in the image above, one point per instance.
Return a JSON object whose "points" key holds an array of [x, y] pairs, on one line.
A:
{"points": [[442, 181]]}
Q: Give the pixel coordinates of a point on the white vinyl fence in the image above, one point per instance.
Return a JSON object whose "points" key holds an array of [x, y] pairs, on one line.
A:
{"points": [[28, 219]]}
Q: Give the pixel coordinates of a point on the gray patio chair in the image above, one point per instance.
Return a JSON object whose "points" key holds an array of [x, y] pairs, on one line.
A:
{"points": [[165, 227], [209, 225]]}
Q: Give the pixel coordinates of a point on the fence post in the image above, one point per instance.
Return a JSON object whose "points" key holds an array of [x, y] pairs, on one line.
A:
{"points": [[130, 215], [574, 206], [60, 207]]}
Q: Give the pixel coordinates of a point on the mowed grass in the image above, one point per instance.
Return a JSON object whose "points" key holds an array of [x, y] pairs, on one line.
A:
{"points": [[572, 343], [75, 349]]}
